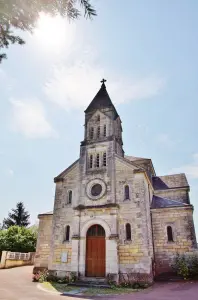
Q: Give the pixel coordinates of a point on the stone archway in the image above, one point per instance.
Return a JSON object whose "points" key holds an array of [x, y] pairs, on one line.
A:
{"points": [[111, 257]]}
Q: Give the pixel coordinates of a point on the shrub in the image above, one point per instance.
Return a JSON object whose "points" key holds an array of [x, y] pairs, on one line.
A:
{"points": [[186, 266], [40, 276], [73, 277]]}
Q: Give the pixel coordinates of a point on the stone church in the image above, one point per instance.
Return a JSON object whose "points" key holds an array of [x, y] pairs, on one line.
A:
{"points": [[113, 216]]}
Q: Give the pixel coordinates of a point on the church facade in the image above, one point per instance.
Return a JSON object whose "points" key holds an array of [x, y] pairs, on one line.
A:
{"points": [[113, 216]]}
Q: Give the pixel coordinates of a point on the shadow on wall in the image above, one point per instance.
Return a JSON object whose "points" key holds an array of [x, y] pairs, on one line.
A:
{"points": [[16, 259]]}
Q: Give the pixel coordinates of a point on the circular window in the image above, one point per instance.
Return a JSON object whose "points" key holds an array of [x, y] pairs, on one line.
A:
{"points": [[96, 189]]}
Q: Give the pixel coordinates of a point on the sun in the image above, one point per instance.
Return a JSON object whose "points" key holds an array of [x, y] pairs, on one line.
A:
{"points": [[53, 33]]}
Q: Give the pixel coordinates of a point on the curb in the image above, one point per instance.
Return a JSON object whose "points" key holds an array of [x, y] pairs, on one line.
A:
{"points": [[46, 290]]}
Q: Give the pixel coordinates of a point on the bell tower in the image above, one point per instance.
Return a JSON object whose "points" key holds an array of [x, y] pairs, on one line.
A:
{"points": [[102, 140], [102, 122]]}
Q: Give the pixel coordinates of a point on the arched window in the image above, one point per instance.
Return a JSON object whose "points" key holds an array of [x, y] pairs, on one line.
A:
{"points": [[70, 197], [126, 192], [98, 160], [170, 234], [128, 232], [67, 233], [105, 130], [104, 159], [98, 132], [91, 133], [91, 161], [98, 118]]}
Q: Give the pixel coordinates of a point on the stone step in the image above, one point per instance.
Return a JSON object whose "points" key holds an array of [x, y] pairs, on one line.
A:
{"points": [[93, 279], [90, 283]]}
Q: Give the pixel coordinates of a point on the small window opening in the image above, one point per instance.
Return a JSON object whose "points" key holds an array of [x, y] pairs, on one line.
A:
{"points": [[98, 160], [126, 192], [98, 132], [98, 118], [128, 232], [70, 197], [91, 161], [91, 133], [67, 233], [104, 159], [105, 130], [170, 234]]}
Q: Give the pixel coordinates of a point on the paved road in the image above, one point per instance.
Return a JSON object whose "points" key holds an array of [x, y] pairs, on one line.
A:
{"points": [[16, 284]]}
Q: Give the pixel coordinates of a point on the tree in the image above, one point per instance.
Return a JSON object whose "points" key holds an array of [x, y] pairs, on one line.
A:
{"points": [[19, 216], [18, 239], [23, 14]]}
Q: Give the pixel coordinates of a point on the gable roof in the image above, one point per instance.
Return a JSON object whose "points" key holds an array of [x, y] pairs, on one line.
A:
{"points": [[170, 182], [101, 100], [145, 163], [134, 158], [61, 175], [159, 202]]}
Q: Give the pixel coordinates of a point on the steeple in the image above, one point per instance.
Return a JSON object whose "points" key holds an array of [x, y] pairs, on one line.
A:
{"points": [[101, 100]]}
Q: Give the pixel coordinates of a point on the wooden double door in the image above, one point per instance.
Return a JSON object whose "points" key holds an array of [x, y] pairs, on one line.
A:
{"points": [[95, 252]]}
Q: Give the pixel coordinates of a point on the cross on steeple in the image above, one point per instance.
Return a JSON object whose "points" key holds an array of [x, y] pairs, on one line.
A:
{"points": [[103, 81]]}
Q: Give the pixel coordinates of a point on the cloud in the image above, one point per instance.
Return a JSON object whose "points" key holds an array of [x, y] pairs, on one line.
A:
{"points": [[29, 118], [74, 86], [190, 169], [72, 82], [10, 172], [165, 140]]}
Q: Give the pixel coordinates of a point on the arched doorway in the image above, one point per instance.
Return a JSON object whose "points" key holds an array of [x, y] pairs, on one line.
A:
{"points": [[95, 252]]}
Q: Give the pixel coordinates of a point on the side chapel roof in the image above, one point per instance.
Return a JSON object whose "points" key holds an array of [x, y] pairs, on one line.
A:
{"points": [[159, 202], [170, 182]]}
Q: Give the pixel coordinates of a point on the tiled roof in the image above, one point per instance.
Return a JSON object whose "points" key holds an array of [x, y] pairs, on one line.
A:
{"points": [[170, 182], [47, 213], [101, 100], [159, 202]]}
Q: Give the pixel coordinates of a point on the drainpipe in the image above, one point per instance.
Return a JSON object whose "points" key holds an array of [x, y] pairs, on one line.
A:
{"points": [[153, 265], [79, 242]]}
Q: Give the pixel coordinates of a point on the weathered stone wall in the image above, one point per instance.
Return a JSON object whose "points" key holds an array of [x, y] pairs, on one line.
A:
{"points": [[177, 194], [43, 241], [181, 221], [63, 216], [135, 256]]}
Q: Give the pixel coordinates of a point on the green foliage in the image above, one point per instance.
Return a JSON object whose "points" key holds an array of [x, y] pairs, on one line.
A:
{"points": [[17, 239], [40, 276], [73, 277], [19, 217], [23, 14], [186, 266]]}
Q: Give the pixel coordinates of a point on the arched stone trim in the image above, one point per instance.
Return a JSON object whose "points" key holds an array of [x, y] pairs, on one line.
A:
{"points": [[79, 249], [98, 221]]}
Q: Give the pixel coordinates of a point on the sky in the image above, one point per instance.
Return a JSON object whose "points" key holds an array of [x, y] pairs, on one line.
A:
{"points": [[147, 51]]}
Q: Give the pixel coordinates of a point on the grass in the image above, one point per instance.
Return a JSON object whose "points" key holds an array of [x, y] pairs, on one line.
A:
{"points": [[60, 287], [111, 291], [57, 287]]}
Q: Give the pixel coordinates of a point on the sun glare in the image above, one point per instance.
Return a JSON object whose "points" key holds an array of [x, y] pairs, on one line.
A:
{"points": [[53, 33]]}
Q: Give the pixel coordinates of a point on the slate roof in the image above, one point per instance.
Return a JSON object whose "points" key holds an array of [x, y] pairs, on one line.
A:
{"points": [[134, 158], [101, 100], [159, 202], [170, 182]]}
